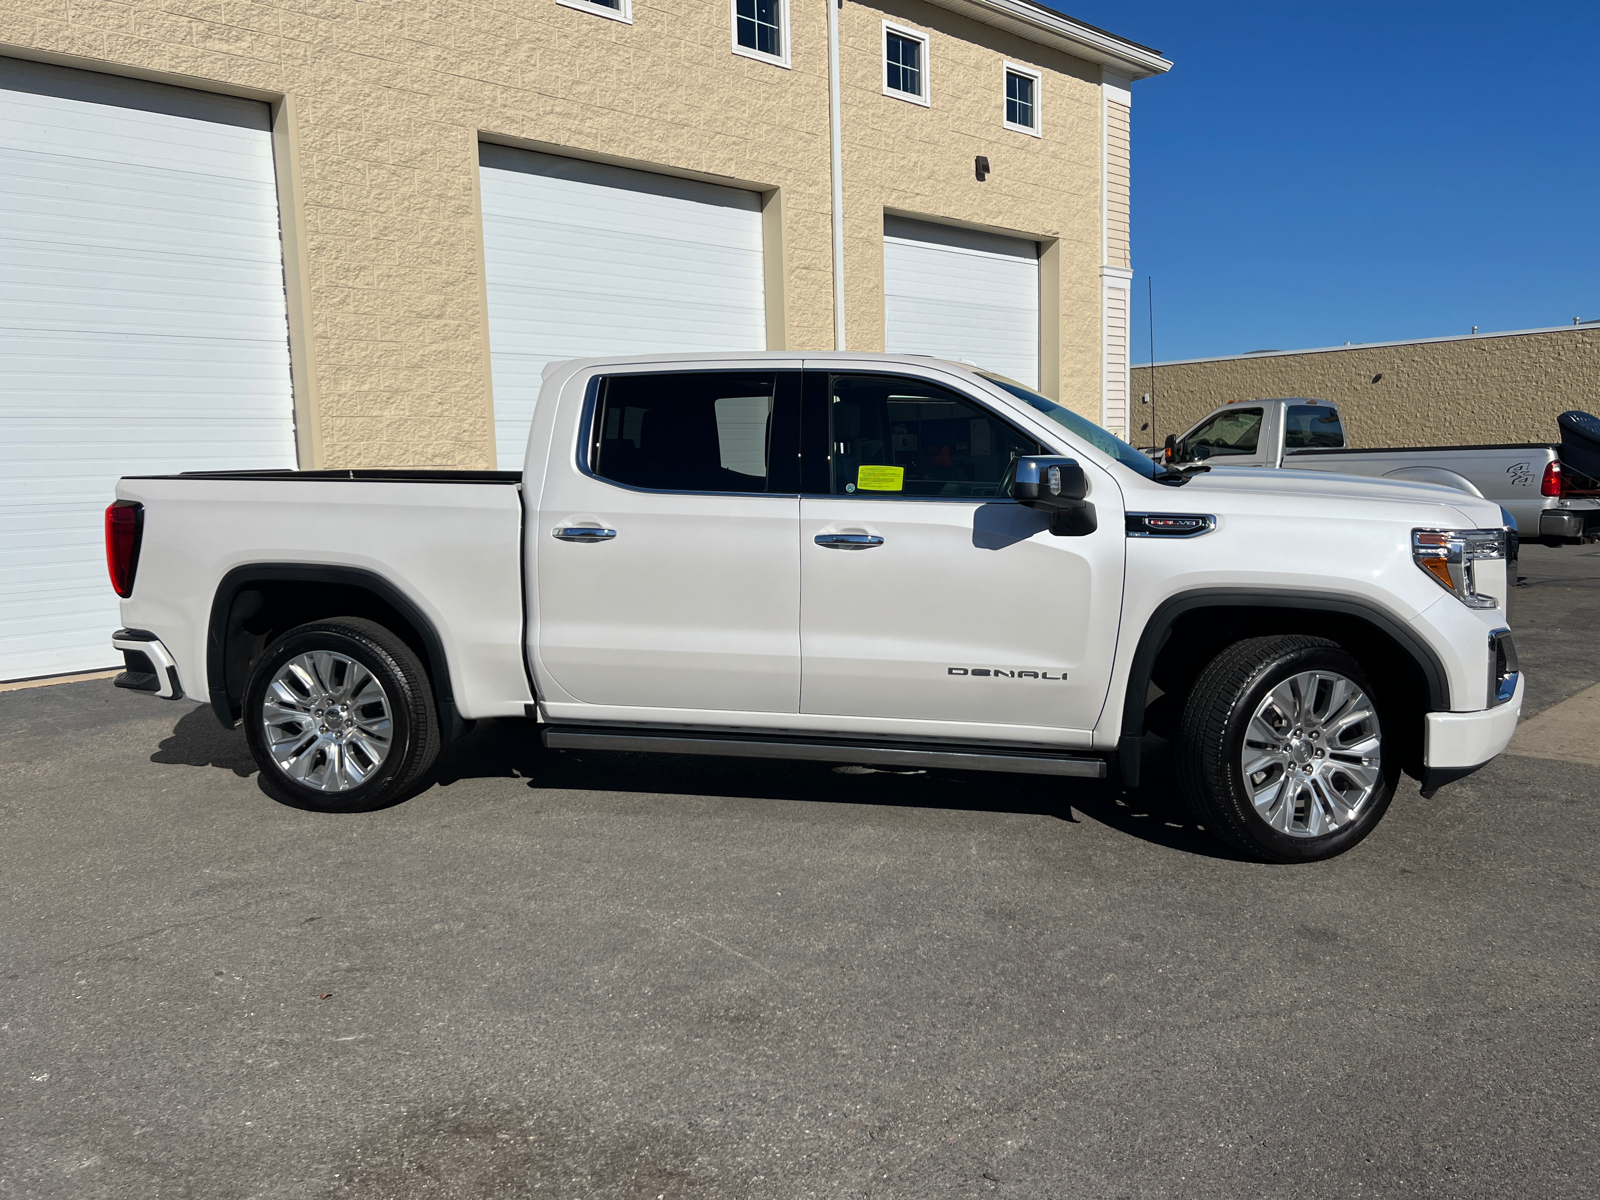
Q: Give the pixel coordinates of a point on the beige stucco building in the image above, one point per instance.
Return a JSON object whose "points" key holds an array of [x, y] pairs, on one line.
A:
{"points": [[378, 109], [351, 233], [1477, 389]]}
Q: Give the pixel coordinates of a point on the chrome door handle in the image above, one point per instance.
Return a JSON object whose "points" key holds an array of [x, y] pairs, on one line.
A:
{"points": [[849, 541], [583, 533]]}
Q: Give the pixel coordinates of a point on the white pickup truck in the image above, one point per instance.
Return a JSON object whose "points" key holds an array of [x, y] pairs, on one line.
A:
{"points": [[846, 557], [1548, 501]]}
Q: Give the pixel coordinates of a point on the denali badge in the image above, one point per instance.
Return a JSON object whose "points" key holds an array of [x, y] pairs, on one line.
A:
{"points": [[997, 673]]}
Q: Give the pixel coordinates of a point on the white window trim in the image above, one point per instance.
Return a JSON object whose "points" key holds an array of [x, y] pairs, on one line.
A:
{"points": [[624, 13], [1037, 129], [777, 60], [915, 35]]}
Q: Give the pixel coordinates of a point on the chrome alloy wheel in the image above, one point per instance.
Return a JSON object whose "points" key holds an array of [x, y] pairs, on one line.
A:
{"points": [[1312, 754], [327, 721]]}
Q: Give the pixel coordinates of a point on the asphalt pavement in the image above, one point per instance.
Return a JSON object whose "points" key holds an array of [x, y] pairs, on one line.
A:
{"points": [[562, 974]]}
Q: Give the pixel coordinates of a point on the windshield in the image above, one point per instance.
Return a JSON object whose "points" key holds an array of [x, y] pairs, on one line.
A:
{"points": [[1086, 429]]}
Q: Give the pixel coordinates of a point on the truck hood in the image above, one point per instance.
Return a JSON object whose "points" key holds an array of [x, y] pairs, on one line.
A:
{"points": [[1254, 489]]}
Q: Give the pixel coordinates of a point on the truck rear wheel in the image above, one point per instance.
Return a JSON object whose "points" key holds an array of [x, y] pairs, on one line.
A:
{"points": [[1280, 749], [340, 717]]}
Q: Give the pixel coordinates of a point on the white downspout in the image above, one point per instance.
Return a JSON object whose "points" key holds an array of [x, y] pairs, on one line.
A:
{"points": [[836, 161]]}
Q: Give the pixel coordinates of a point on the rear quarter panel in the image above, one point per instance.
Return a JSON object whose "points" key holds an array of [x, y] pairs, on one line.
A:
{"points": [[453, 548]]}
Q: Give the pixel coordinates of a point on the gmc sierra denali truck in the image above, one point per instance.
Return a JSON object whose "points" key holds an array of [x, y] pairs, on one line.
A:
{"points": [[1548, 501], [846, 557]]}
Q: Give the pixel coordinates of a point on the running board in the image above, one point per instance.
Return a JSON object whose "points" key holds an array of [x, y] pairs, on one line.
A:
{"points": [[559, 738]]}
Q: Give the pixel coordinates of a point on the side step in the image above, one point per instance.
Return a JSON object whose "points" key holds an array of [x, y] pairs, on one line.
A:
{"points": [[961, 758]]}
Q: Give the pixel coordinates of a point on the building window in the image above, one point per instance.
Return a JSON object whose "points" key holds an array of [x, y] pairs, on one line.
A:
{"points": [[761, 30], [1022, 99], [905, 63], [617, 10]]}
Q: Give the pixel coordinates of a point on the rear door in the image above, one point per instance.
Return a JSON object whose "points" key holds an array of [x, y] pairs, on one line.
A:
{"points": [[666, 561], [932, 603]]}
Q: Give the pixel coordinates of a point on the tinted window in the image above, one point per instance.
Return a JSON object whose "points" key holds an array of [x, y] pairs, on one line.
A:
{"points": [[893, 436], [1233, 432], [709, 431], [1311, 427]]}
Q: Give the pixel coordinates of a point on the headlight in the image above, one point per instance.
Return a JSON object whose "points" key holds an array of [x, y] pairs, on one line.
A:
{"points": [[1449, 556]]}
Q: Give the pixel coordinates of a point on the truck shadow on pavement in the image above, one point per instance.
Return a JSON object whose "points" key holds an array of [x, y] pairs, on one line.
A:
{"points": [[1154, 813], [511, 749], [199, 740]]}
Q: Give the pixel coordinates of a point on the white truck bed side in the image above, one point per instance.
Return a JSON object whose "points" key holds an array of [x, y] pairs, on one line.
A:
{"points": [[452, 548]]}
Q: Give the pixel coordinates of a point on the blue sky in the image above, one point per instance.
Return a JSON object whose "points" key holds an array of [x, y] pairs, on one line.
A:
{"points": [[1308, 175]]}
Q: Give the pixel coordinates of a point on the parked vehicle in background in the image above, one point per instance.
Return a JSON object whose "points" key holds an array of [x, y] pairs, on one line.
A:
{"points": [[845, 557], [1549, 500]]}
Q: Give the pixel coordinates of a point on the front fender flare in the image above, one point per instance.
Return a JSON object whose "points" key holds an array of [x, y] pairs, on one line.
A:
{"points": [[1129, 741]]}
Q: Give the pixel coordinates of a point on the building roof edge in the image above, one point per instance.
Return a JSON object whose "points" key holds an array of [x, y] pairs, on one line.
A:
{"points": [[1040, 24], [1454, 337]]}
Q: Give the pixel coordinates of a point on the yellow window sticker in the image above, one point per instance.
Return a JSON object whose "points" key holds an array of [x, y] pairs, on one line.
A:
{"points": [[881, 479]]}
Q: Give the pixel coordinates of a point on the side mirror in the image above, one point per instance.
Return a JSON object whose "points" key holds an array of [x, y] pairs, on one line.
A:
{"points": [[1056, 486], [1170, 449]]}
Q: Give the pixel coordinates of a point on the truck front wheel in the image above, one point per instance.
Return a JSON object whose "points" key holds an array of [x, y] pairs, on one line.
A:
{"points": [[1280, 749], [340, 717]]}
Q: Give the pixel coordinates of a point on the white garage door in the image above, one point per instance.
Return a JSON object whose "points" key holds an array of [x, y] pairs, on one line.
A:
{"points": [[142, 328], [586, 259], [961, 294]]}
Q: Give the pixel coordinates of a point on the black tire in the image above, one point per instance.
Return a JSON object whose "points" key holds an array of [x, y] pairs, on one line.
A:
{"points": [[414, 726], [1211, 740]]}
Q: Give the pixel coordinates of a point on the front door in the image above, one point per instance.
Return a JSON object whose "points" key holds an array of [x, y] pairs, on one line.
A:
{"points": [[1230, 438], [932, 603], [666, 564]]}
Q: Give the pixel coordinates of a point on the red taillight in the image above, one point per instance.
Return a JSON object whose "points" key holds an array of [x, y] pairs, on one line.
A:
{"points": [[1550, 485], [124, 525]]}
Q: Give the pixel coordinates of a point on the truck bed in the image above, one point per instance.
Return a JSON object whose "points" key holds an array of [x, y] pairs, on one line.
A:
{"points": [[1509, 474], [446, 542], [1513, 446]]}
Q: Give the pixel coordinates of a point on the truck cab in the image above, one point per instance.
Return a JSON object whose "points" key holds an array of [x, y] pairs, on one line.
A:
{"points": [[1258, 433]]}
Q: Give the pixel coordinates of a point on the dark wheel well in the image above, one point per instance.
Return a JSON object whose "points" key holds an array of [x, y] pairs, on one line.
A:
{"points": [[1411, 683], [255, 605]]}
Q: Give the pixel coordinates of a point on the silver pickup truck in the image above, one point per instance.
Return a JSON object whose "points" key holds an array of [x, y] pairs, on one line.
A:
{"points": [[1549, 500]]}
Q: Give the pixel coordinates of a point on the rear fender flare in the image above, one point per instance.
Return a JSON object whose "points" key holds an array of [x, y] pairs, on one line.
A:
{"points": [[236, 580], [1169, 610]]}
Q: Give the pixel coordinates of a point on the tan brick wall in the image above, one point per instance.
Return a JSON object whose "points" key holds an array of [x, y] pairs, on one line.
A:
{"points": [[390, 98], [918, 161], [1475, 390]]}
